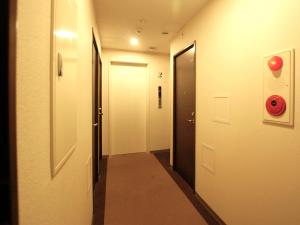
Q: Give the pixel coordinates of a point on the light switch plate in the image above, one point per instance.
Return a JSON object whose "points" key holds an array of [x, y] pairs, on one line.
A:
{"points": [[280, 83]]}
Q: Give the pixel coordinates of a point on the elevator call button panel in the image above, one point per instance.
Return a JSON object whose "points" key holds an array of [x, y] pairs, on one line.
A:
{"points": [[278, 87]]}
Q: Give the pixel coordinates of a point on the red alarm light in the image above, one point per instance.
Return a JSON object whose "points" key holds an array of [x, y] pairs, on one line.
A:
{"points": [[275, 63], [276, 105]]}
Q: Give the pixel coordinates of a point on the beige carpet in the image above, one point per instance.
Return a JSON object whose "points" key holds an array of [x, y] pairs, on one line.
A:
{"points": [[140, 192]]}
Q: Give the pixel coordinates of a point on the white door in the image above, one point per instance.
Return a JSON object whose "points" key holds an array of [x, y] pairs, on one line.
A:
{"points": [[127, 108]]}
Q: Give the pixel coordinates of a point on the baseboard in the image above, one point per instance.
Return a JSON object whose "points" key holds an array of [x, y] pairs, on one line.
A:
{"points": [[99, 194], [160, 150], [211, 217]]}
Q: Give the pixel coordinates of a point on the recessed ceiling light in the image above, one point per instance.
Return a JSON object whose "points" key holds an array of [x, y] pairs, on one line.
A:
{"points": [[134, 41]]}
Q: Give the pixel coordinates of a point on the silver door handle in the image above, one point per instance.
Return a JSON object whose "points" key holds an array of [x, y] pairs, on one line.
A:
{"points": [[95, 124], [191, 121], [100, 112]]}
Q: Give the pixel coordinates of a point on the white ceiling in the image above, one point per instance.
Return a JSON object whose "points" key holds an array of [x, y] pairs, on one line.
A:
{"points": [[119, 20]]}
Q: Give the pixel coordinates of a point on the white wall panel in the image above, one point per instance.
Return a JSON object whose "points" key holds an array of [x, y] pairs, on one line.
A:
{"points": [[64, 82]]}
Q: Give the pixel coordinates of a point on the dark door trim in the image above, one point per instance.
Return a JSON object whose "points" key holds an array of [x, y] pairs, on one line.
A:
{"points": [[8, 159], [12, 111], [174, 103]]}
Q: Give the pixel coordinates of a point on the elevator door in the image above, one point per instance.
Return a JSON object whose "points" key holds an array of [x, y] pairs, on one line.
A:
{"points": [[127, 108], [184, 114]]}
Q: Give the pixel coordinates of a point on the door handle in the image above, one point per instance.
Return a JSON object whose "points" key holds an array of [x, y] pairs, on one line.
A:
{"points": [[191, 121], [95, 124], [100, 112]]}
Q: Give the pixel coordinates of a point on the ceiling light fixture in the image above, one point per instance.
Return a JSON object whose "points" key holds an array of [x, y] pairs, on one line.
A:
{"points": [[134, 41]]}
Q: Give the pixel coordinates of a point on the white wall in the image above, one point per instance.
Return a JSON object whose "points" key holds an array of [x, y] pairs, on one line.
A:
{"points": [[63, 200], [159, 118], [256, 179]]}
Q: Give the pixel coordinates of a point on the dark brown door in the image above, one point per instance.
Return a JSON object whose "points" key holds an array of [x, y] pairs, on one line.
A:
{"points": [[184, 114], [100, 113], [97, 113]]}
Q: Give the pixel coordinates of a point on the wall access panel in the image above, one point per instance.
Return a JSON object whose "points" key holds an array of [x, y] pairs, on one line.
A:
{"points": [[63, 82]]}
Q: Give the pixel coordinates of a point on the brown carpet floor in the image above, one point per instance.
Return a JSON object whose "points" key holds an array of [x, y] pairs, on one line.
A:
{"points": [[139, 191]]}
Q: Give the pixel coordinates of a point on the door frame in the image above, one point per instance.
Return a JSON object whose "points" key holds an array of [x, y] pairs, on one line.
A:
{"points": [[174, 106], [8, 110], [112, 61], [13, 110]]}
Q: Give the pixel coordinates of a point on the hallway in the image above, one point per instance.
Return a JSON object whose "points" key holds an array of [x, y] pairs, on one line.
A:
{"points": [[161, 112], [140, 191]]}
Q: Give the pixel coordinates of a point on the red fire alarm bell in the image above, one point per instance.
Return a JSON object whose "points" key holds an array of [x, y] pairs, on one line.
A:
{"points": [[275, 63], [276, 105]]}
